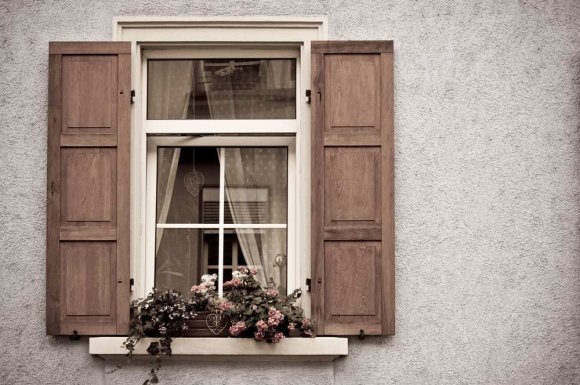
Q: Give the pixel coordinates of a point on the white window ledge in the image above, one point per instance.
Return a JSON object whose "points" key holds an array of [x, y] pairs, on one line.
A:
{"points": [[230, 349]]}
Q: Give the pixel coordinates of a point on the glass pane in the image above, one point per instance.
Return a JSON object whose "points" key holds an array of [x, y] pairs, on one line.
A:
{"points": [[265, 251], [177, 262], [256, 188], [183, 174], [221, 89]]}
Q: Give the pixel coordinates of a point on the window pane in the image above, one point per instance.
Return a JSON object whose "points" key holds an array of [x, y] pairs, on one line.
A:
{"points": [[256, 185], [183, 174], [221, 89], [177, 262], [261, 249]]}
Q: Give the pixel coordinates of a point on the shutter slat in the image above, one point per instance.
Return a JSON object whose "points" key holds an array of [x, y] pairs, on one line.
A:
{"points": [[352, 188], [88, 189]]}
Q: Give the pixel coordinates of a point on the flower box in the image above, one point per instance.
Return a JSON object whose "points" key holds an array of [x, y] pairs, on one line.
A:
{"points": [[200, 326]]}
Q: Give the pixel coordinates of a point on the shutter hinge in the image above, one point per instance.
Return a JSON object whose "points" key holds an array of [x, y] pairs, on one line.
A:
{"points": [[75, 336], [308, 284], [361, 334], [132, 96], [308, 96], [131, 283]]}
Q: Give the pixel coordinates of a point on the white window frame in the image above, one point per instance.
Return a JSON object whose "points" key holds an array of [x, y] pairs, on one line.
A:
{"points": [[154, 142], [244, 32]]}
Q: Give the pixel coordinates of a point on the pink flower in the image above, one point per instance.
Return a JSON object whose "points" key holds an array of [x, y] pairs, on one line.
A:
{"points": [[274, 317], [262, 326], [306, 322], [253, 271], [308, 333], [271, 292], [237, 328], [291, 326], [225, 305], [278, 337], [232, 283], [259, 336]]}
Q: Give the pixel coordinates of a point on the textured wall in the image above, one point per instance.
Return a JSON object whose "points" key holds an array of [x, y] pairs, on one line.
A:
{"points": [[487, 181]]}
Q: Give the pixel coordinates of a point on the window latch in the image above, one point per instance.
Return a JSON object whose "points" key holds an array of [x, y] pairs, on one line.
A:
{"points": [[132, 96], [308, 96]]}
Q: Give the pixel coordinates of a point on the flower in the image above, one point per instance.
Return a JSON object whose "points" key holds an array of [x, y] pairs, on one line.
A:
{"points": [[235, 282], [162, 330], [237, 328], [274, 317], [306, 322], [278, 337], [291, 326], [259, 336], [209, 278], [272, 292], [262, 326]]}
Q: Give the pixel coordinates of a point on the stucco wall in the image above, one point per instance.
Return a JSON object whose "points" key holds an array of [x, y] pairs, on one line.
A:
{"points": [[487, 192]]}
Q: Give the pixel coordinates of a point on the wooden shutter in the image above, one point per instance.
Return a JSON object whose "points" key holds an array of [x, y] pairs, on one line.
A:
{"points": [[352, 187], [88, 188]]}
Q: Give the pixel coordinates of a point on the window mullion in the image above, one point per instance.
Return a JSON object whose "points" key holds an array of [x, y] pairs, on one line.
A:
{"points": [[221, 222]]}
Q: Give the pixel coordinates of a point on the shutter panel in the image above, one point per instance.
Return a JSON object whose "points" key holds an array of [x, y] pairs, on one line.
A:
{"points": [[88, 188], [352, 187]]}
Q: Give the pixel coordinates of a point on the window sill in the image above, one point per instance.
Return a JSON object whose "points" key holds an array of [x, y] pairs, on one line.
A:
{"points": [[231, 349]]}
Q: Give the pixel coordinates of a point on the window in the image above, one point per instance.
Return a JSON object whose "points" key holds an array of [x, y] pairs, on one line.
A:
{"points": [[217, 208], [219, 200], [199, 142]]}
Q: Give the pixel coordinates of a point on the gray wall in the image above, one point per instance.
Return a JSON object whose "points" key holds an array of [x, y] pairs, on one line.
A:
{"points": [[487, 192]]}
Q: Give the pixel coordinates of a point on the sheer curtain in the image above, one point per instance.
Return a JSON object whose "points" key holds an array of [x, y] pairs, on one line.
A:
{"points": [[174, 85], [248, 169]]}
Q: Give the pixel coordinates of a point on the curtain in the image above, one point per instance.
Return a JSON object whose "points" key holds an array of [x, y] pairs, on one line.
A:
{"points": [[174, 86], [249, 171]]}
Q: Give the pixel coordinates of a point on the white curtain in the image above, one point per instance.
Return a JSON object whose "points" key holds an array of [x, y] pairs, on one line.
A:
{"points": [[173, 86], [248, 169], [248, 172]]}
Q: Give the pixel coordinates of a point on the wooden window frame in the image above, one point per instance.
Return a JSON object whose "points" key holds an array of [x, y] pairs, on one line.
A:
{"points": [[246, 32]]}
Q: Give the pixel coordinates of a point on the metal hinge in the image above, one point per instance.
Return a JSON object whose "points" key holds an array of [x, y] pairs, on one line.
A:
{"points": [[308, 284], [75, 336], [132, 96], [131, 283], [308, 96]]}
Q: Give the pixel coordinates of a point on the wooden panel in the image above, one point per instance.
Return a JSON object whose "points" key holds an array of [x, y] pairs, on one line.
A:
{"points": [[88, 48], [88, 189], [388, 191], [352, 93], [338, 139], [86, 283], [88, 185], [89, 91], [88, 234], [123, 192], [88, 140], [351, 47], [351, 268], [352, 188], [352, 196], [53, 197]]}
